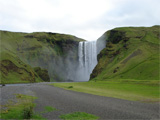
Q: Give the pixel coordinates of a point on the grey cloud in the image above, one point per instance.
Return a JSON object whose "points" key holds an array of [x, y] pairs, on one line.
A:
{"points": [[124, 13]]}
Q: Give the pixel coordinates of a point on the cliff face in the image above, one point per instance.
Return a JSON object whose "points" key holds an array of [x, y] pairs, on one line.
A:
{"points": [[50, 51], [130, 53]]}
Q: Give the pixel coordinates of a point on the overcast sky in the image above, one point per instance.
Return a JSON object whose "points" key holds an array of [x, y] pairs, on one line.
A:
{"points": [[87, 19]]}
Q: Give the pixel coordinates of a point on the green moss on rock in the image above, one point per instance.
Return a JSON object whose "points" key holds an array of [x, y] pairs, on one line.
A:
{"points": [[42, 73]]}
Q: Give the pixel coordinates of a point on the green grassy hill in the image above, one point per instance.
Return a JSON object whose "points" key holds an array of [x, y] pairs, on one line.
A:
{"points": [[13, 70], [130, 53], [21, 52]]}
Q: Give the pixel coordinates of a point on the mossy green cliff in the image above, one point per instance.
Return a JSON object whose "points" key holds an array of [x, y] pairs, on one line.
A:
{"points": [[13, 70], [130, 53], [21, 52]]}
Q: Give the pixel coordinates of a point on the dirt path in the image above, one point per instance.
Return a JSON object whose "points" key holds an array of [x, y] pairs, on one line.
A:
{"points": [[69, 101]]}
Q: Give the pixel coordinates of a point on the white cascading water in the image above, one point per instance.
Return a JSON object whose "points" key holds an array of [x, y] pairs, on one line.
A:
{"points": [[87, 53]]}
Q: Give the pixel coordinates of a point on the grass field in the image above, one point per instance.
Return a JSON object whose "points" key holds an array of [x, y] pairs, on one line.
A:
{"points": [[136, 90], [78, 116]]}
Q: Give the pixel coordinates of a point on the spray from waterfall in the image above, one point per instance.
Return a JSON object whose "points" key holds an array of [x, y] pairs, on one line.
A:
{"points": [[79, 69]]}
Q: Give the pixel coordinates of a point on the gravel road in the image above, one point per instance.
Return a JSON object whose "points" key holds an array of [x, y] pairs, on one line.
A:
{"points": [[66, 101]]}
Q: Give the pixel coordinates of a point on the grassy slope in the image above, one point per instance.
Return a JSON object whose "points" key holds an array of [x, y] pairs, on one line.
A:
{"points": [[131, 53], [31, 46], [34, 49], [13, 70]]}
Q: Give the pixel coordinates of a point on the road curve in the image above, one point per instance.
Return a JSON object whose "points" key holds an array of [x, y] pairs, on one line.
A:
{"points": [[66, 101]]}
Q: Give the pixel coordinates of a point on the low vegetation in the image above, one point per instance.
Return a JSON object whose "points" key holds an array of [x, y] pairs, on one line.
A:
{"points": [[78, 116], [136, 90], [48, 109]]}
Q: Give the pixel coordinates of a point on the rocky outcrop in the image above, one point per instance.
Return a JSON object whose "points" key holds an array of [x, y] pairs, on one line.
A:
{"points": [[42, 73]]}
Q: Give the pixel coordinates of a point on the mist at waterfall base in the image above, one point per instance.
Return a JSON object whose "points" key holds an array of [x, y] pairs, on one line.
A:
{"points": [[77, 69], [87, 60]]}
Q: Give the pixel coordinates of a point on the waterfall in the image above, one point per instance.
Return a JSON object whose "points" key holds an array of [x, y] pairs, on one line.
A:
{"points": [[87, 53]]}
